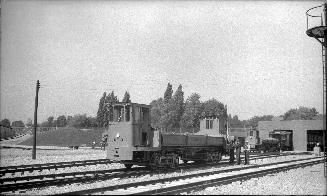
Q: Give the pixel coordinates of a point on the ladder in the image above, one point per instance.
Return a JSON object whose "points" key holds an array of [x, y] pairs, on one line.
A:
{"points": [[323, 51]]}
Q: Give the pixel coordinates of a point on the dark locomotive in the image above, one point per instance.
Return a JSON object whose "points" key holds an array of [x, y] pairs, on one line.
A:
{"points": [[277, 140]]}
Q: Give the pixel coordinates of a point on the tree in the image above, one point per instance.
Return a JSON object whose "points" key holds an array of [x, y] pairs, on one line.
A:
{"points": [[173, 109], [68, 119], [82, 121], [108, 110], [302, 113], [5, 122], [178, 106], [168, 93], [50, 121], [18, 123], [212, 107], [234, 121], [156, 112], [253, 122], [126, 98], [61, 121], [29, 122], [101, 111], [192, 113]]}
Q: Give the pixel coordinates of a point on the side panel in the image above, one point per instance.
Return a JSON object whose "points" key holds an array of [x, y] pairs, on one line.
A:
{"points": [[196, 140], [215, 141], [173, 140]]}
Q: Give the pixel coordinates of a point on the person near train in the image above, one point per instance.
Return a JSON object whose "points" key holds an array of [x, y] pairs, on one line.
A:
{"points": [[238, 152], [246, 153], [231, 152], [93, 144], [104, 142], [316, 150]]}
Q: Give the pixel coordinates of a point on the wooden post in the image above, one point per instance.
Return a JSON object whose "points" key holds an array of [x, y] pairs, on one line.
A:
{"points": [[35, 119]]}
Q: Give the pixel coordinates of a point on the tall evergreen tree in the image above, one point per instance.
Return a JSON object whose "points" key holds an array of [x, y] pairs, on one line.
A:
{"points": [[178, 107], [168, 93], [166, 119], [156, 113], [108, 111], [101, 110], [126, 98]]}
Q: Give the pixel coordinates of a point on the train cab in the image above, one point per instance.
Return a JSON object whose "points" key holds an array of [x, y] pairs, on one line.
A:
{"points": [[129, 131]]}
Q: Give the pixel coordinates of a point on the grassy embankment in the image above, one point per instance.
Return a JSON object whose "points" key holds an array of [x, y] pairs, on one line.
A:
{"points": [[66, 137]]}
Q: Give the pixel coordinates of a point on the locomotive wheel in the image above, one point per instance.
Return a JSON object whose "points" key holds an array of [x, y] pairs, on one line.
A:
{"points": [[128, 166]]}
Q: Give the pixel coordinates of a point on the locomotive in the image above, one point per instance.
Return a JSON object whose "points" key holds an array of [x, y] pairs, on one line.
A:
{"points": [[277, 140], [132, 141]]}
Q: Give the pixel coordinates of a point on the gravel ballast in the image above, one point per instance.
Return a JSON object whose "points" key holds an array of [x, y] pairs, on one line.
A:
{"points": [[116, 181], [301, 181]]}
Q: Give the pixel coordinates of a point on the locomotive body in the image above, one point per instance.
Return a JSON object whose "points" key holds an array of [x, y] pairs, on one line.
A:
{"points": [[132, 141], [277, 140]]}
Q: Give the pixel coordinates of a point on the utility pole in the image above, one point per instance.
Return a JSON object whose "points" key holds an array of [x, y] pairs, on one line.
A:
{"points": [[35, 119]]}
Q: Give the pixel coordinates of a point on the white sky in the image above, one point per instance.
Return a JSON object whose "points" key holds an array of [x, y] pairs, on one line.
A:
{"points": [[253, 56]]}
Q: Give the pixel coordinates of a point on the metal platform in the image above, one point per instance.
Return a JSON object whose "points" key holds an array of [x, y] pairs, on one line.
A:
{"points": [[317, 32]]}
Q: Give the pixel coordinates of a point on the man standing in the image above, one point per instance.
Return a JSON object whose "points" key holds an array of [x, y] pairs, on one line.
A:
{"points": [[238, 152], [246, 152], [231, 152]]}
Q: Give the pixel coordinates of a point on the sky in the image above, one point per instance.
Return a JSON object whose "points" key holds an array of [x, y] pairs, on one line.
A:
{"points": [[253, 56]]}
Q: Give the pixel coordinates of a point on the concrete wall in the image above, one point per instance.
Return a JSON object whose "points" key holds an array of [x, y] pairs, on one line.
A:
{"points": [[299, 128]]}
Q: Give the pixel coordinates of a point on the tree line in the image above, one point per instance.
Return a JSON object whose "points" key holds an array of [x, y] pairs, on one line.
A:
{"points": [[170, 112]]}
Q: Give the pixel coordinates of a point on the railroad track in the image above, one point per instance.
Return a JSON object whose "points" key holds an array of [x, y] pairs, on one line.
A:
{"points": [[102, 172], [48, 166], [186, 183], [28, 182]]}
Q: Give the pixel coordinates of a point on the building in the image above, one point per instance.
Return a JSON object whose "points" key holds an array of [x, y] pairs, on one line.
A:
{"points": [[304, 134], [211, 125]]}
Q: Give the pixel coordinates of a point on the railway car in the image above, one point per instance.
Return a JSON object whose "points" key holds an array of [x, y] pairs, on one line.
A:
{"points": [[284, 137], [270, 145], [132, 141]]}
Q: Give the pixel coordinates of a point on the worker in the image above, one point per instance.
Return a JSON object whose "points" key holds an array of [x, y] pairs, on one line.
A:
{"points": [[104, 142], [247, 148], [93, 144], [231, 152], [238, 152], [316, 150]]}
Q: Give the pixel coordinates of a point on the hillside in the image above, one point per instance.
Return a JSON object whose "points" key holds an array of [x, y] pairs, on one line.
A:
{"points": [[66, 137]]}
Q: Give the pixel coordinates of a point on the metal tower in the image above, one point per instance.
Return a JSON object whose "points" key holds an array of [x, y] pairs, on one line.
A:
{"points": [[320, 34]]}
